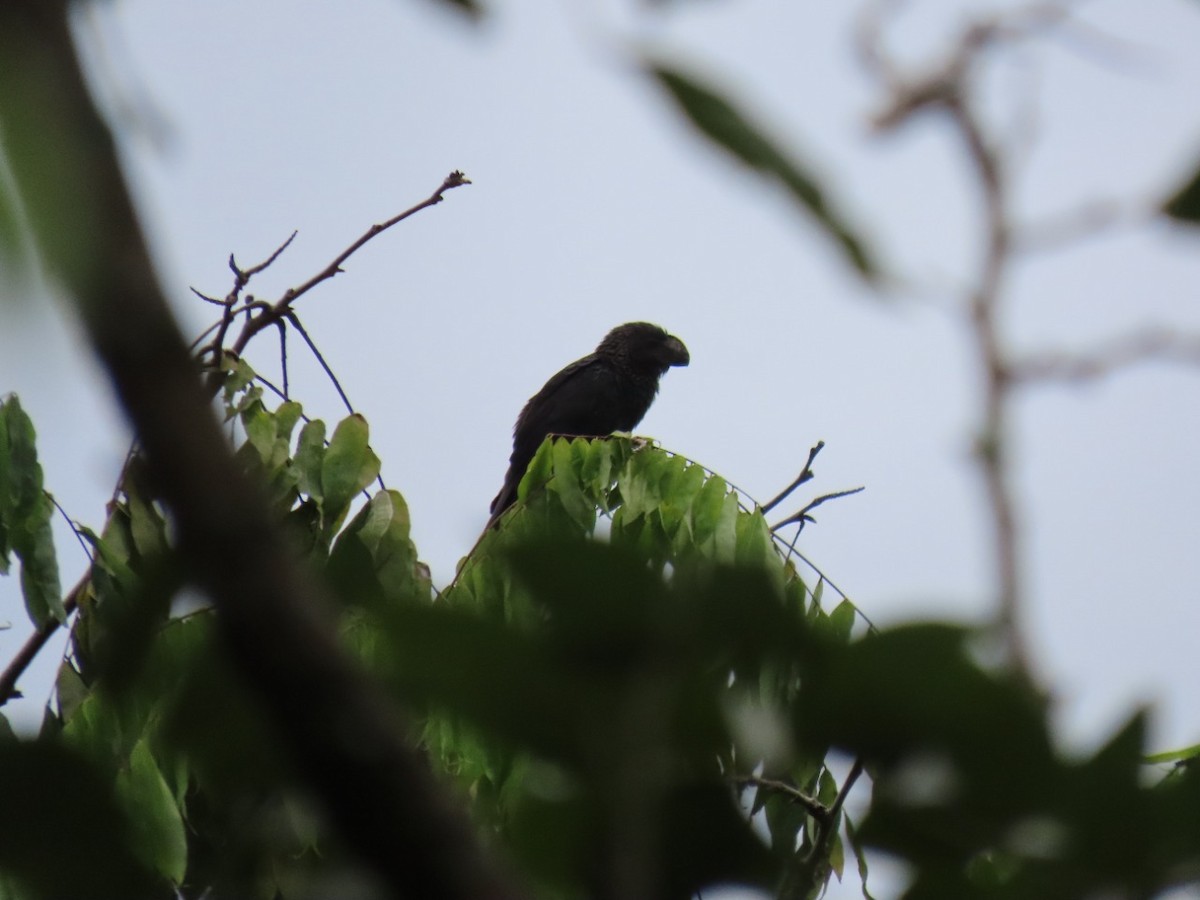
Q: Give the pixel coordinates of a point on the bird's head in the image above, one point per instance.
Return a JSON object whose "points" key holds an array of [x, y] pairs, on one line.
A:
{"points": [[645, 346]]}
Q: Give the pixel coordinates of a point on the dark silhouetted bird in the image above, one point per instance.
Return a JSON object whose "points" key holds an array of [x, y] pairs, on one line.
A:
{"points": [[606, 391]]}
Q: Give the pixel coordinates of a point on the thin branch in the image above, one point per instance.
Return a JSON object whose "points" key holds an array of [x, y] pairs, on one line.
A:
{"points": [[812, 806], [345, 736], [1149, 346], [806, 474], [453, 180], [827, 828], [87, 550], [35, 642], [802, 516], [207, 299], [946, 90], [337, 385], [283, 357], [242, 276], [1069, 229], [280, 308], [295, 321]]}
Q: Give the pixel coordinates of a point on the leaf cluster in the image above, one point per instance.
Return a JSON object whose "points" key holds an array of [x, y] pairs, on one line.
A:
{"points": [[628, 683]]}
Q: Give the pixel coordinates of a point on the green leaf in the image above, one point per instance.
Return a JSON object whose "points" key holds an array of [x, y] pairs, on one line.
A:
{"points": [[52, 799], [158, 833], [539, 470], [25, 512], [286, 417], [260, 430], [310, 456], [348, 467], [1170, 756], [146, 526], [566, 484], [374, 562], [725, 125], [859, 854], [841, 620], [238, 377]]}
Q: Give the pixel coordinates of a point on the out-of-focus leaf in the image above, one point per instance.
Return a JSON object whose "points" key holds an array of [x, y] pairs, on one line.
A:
{"points": [[158, 833], [841, 620], [1184, 205], [52, 799], [1170, 756], [472, 8], [25, 513], [15, 261], [726, 126], [859, 854], [146, 525]]}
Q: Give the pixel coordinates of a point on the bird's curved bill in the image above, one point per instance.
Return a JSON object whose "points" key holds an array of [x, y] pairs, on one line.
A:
{"points": [[676, 353]]}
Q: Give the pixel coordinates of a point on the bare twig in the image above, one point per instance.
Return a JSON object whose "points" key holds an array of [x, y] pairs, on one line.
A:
{"points": [[1069, 229], [802, 516], [806, 474], [1158, 345], [283, 357], [946, 90], [827, 828], [72, 524], [280, 308], [35, 642], [337, 385], [814, 807]]}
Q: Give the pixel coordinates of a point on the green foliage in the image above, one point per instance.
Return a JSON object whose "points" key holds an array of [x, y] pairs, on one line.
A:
{"points": [[53, 804], [728, 127], [598, 688], [627, 681], [25, 512]]}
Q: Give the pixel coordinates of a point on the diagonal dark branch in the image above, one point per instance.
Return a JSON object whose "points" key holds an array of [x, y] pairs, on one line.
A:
{"points": [[283, 357], [35, 642], [337, 385], [1147, 346], [802, 516], [806, 474], [812, 806], [281, 307], [346, 739]]}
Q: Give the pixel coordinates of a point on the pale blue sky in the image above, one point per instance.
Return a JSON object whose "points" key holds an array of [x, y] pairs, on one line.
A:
{"points": [[593, 205]]}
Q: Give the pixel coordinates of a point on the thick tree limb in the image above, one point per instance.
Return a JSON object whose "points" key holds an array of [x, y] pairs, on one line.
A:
{"points": [[345, 736]]}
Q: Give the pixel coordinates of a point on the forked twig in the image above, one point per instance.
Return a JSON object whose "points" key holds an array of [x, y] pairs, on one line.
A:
{"points": [[806, 474]]}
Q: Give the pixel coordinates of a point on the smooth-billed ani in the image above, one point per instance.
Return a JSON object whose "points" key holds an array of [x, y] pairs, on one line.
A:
{"points": [[606, 391]]}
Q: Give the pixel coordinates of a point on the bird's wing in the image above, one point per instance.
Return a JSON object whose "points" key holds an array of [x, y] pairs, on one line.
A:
{"points": [[574, 401], [582, 399]]}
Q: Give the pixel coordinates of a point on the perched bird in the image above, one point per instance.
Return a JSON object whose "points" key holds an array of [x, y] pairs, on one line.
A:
{"points": [[606, 391]]}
